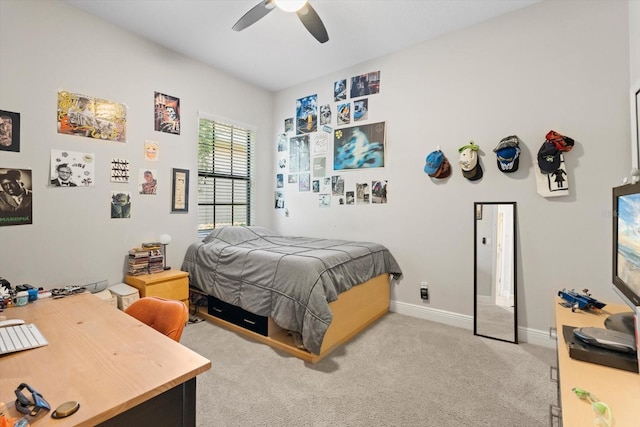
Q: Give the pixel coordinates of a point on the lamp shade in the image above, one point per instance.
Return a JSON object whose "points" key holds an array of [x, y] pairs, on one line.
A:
{"points": [[165, 239], [290, 5]]}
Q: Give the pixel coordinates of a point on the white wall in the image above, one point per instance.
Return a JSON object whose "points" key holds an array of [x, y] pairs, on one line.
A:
{"points": [[46, 46], [554, 65], [634, 39]]}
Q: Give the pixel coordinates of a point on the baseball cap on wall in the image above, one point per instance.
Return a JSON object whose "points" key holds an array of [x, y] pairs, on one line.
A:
{"points": [[469, 162], [444, 170], [508, 154], [548, 157], [433, 162], [562, 143]]}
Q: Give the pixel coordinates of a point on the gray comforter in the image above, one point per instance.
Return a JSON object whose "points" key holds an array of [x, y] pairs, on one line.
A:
{"points": [[290, 279]]}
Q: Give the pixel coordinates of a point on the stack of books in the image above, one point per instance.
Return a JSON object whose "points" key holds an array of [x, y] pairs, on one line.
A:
{"points": [[156, 261], [138, 261], [156, 257]]}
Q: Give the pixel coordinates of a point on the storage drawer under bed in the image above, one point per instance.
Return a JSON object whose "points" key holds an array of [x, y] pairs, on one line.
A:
{"points": [[238, 316]]}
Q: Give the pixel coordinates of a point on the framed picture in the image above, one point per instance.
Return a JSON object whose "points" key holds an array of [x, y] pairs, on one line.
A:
{"points": [[359, 147], [635, 125], [9, 131], [180, 194]]}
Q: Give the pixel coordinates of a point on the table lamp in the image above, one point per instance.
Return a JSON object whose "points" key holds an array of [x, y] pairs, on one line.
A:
{"points": [[165, 239]]}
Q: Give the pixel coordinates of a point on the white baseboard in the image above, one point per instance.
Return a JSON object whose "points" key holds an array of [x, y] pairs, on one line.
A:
{"points": [[531, 336]]}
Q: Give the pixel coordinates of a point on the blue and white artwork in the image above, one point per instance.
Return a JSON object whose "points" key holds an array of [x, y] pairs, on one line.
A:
{"points": [[359, 147]]}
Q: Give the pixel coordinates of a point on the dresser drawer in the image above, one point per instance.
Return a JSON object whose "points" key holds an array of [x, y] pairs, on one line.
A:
{"points": [[238, 316]]}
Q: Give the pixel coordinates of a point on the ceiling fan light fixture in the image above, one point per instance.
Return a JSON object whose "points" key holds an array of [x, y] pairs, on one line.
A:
{"points": [[290, 5]]}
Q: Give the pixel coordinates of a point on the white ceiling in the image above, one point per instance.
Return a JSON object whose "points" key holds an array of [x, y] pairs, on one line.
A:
{"points": [[277, 52]]}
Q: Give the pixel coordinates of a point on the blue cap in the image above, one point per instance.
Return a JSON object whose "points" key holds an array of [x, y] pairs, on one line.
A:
{"points": [[433, 162]]}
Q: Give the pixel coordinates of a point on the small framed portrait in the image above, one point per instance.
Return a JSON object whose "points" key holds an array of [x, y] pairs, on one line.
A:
{"points": [[9, 131], [180, 194]]}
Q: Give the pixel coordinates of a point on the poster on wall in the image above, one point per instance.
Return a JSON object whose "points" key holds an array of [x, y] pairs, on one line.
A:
{"points": [[340, 90], [151, 151], [362, 193], [379, 191], [325, 114], [147, 182], [365, 84], [344, 113], [119, 170], [360, 110], [16, 197], [120, 204], [72, 169], [359, 147], [167, 113], [90, 117], [9, 131], [307, 114], [299, 154]]}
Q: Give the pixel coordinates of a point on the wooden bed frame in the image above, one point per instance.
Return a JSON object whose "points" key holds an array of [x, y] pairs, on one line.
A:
{"points": [[353, 311]]}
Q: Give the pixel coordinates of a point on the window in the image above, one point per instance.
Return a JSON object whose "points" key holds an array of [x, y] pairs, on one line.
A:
{"points": [[225, 174]]}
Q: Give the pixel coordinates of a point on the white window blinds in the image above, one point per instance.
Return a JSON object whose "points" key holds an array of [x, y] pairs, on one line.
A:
{"points": [[225, 174]]}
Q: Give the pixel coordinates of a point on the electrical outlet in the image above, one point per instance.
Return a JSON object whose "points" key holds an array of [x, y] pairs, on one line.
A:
{"points": [[424, 290]]}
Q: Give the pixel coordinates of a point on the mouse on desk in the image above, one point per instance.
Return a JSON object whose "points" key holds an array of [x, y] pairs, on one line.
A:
{"points": [[11, 322]]}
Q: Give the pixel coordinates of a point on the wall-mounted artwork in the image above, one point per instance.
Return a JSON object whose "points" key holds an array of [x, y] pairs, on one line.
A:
{"points": [[307, 114], [324, 200], [362, 194], [337, 185], [72, 169], [120, 170], [151, 151], [180, 194], [379, 191], [360, 109], [319, 166], [359, 147], [299, 154], [90, 117], [325, 114], [344, 113], [279, 199], [340, 90], [350, 198], [315, 186], [283, 143], [147, 181], [9, 131], [167, 113], [120, 204], [320, 142], [304, 182], [16, 197], [365, 84], [288, 124]]}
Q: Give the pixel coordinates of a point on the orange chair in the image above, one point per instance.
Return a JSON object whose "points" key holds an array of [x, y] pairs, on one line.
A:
{"points": [[164, 315]]}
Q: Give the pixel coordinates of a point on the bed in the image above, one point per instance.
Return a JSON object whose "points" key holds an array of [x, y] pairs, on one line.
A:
{"points": [[325, 290]]}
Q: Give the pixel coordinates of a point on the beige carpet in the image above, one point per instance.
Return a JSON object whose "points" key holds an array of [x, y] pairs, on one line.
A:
{"points": [[401, 371]]}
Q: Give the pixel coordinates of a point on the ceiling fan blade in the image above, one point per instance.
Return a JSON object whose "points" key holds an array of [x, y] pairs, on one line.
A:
{"points": [[310, 19], [256, 13]]}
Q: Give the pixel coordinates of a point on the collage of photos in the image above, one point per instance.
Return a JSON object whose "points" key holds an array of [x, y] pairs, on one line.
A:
{"points": [[93, 118], [339, 130]]}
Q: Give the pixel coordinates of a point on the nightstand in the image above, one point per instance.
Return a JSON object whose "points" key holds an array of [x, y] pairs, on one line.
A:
{"points": [[170, 284]]}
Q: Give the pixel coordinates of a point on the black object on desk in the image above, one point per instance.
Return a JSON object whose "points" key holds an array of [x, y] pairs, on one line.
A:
{"points": [[580, 350]]}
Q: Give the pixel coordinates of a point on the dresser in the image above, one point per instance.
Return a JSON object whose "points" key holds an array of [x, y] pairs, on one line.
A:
{"points": [[169, 284], [618, 388]]}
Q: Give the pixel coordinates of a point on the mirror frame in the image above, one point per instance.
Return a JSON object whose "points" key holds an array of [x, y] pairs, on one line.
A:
{"points": [[477, 215]]}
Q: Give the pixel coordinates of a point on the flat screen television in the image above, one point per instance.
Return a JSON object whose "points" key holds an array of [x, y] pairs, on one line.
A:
{"points": [[626, 254]]}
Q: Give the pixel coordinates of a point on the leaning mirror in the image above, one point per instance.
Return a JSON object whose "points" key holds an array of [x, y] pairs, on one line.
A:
{"points": [[495, 304]]}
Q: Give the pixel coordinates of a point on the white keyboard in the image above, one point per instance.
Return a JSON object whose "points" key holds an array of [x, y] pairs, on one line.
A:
{"points": [[20, 337]]}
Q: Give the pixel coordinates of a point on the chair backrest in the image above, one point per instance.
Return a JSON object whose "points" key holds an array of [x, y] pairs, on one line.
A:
{"points": [[164, 315]]}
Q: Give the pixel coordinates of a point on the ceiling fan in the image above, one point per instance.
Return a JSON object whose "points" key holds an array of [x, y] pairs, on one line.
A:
{"points": [[307, 14]]}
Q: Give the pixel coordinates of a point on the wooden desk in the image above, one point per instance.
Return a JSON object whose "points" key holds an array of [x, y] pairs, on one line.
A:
{"points": [[617, 388], [121, 371]]}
